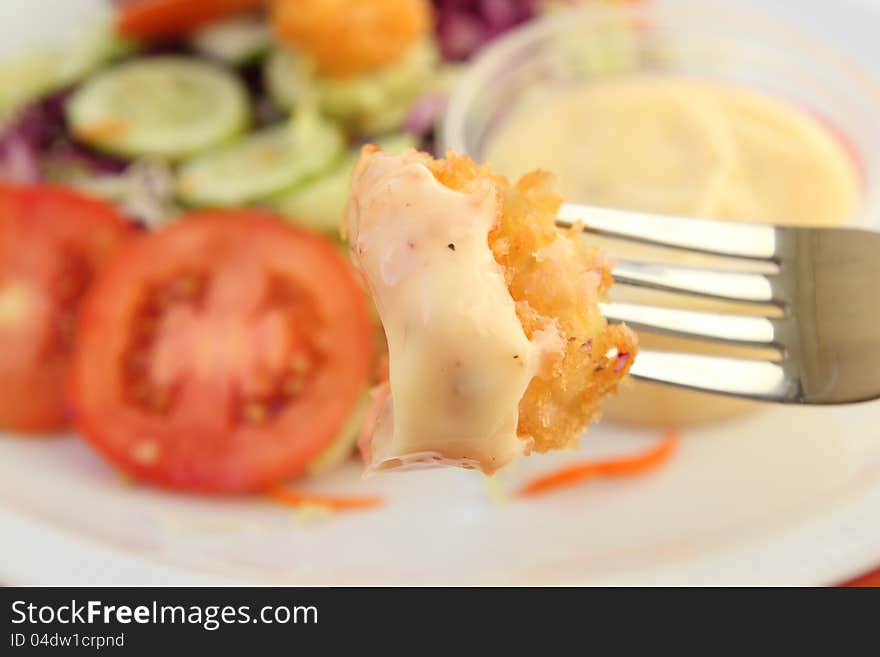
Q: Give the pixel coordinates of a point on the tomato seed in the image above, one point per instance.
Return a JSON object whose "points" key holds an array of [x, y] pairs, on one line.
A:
{"points": [[186, 286], [140, 391], [300, 363], [160, 400], [255, 412], [66, 324], [293, 386], [145, 452]]}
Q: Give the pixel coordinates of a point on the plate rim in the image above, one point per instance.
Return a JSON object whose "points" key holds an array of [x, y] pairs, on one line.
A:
{"points": [[763, 561], [38, 553]]}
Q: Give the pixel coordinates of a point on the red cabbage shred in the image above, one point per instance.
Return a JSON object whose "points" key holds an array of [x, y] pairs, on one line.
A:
{"points": [[465, 26]]}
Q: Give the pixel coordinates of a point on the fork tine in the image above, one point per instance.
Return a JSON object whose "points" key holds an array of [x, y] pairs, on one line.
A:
{"points": [[732, 286], [725, 327], [725, 238], [755, 379]]}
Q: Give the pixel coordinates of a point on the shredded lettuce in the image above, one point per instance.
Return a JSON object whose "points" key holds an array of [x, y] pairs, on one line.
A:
{"points": [[144, 191]]}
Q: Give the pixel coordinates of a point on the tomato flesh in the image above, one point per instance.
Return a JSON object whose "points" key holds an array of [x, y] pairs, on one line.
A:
{"points": [[222, 354], [52, 243]]}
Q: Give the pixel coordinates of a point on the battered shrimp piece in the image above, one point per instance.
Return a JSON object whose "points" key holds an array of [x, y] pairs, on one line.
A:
{"points": [[495, 338], [346, 38]]}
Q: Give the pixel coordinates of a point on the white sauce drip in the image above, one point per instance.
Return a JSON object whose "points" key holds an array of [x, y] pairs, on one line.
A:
{"points": [[459, 359]]}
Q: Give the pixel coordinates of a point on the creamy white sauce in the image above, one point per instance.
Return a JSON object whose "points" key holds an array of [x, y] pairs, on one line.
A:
{"points": [[459, 359]]}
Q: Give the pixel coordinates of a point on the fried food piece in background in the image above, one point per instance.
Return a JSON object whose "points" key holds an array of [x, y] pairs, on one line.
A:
{"points": [[347, 38]]}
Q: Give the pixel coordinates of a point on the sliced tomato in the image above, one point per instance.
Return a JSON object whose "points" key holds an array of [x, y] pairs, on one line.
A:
{"points": [[52, 243], [221, 354], [163, 19]]}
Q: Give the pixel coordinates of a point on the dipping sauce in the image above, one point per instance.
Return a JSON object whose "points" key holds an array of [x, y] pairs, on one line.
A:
{"points": [[687, 147]]}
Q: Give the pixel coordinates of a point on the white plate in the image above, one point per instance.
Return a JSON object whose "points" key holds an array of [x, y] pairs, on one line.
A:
{"points": [[787, 496]]}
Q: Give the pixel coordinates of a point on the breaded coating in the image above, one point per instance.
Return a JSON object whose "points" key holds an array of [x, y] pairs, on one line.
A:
{"points": [[556, 279]]}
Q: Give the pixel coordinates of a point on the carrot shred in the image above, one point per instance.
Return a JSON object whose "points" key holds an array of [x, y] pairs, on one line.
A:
{"points": [[336, 503], [616, 467], [102, 130], [162, 19]]}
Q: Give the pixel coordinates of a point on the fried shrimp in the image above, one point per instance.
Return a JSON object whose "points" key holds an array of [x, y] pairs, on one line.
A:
{"points": [[497, 345]]}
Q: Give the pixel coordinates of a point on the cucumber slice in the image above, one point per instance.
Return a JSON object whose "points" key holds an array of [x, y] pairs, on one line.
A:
{"points": [[165, 107], [380, 100], [262, 165], [318, 204], [286, 79], [369, 103], [236, 41]]}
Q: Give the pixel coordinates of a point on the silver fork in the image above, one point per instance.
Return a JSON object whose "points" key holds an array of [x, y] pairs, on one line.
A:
{"points": [[826, 281]]}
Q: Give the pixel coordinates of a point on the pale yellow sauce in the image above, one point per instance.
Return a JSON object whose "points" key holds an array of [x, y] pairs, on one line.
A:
{"points": [[680, 147], [459, 359]]}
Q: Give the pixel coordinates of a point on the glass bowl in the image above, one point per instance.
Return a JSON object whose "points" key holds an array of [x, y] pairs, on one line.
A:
{"points": [[696, 39], [683, 38]]}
